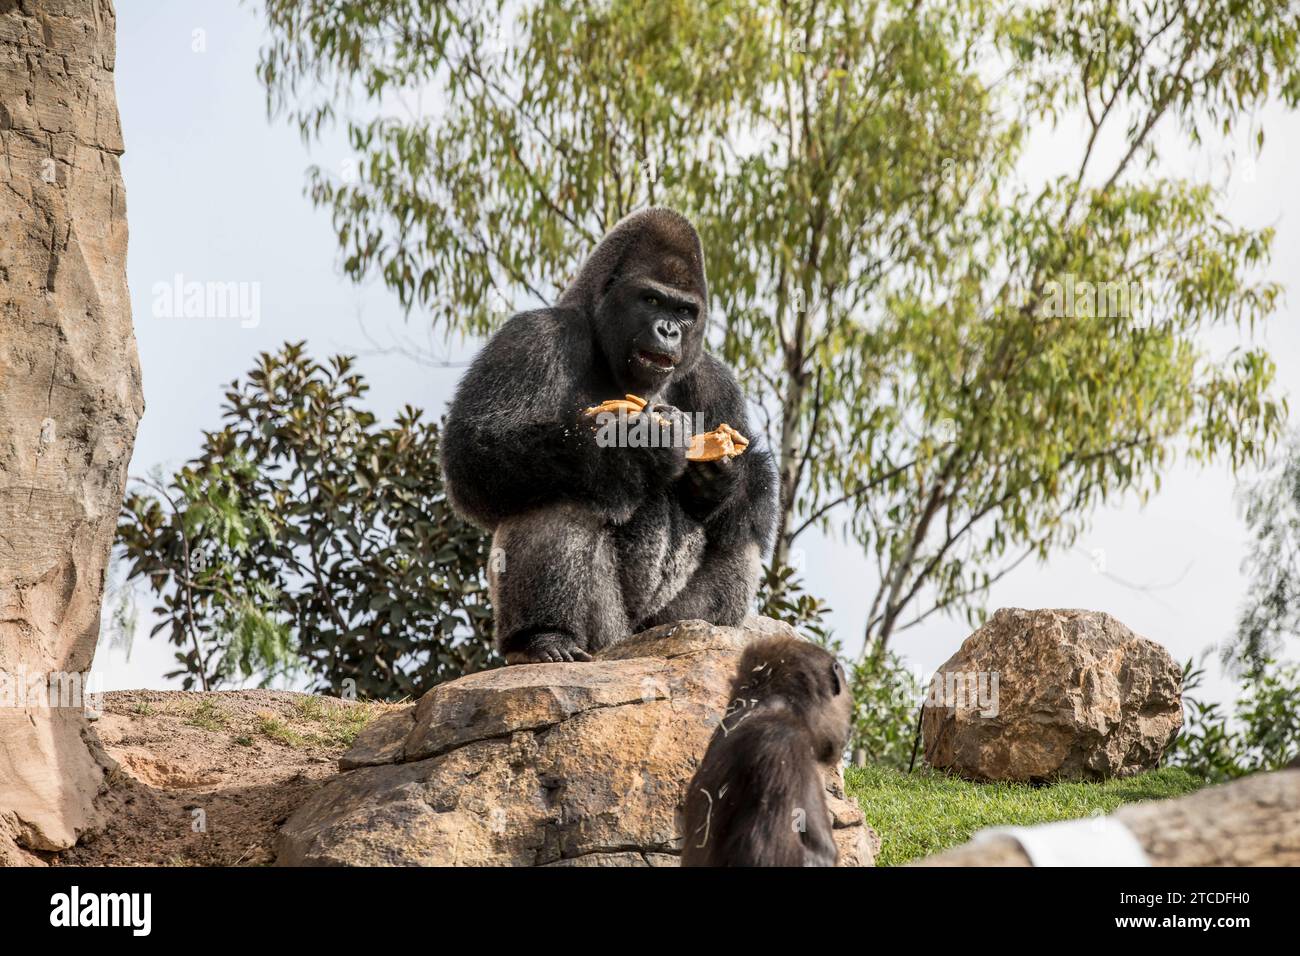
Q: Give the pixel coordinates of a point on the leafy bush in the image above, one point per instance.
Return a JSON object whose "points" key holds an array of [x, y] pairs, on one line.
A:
{"points": [[782, 595], [1263, 734], [886, 699], [306, 539]]}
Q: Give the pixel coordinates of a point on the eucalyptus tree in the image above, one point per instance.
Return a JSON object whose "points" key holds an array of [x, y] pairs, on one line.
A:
{"points": [[956, 361]]}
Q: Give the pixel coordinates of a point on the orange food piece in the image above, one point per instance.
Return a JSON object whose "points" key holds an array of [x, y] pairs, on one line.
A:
{"points": [[631, 404], [723, 442]]}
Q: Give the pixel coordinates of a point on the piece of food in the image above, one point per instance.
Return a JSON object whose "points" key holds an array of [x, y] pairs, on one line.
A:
{"points": [[723, 442], [631, 404]]}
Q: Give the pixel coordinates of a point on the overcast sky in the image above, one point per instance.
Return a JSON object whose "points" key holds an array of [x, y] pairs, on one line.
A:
{"points": [[214, 193]]}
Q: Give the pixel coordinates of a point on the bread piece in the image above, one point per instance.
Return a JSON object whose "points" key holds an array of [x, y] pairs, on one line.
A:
{"points": [[631, 404], [723, 442]]}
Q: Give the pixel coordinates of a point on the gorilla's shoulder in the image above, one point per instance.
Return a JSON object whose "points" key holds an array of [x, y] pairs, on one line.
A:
{"points": [[538, 335], [538, 327]]}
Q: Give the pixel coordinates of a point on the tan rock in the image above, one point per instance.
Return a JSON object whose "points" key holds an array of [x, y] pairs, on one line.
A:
{"points": [[542, 764], [69, 391], [1047, 694]]}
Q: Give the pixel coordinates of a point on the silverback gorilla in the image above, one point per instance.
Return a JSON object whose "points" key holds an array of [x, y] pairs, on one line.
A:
{"points": [[593, 540]]}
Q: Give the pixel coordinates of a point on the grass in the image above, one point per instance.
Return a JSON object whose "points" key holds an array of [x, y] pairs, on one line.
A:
{"points": [[208, 716], [924, 812], [338, 725], [329, 725], [273, 727]]}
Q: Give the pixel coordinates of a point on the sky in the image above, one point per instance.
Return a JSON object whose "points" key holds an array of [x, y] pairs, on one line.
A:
{"points": [[215, 194]]}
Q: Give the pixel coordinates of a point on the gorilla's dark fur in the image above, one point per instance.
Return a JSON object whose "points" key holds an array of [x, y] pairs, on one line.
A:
{"points": [[759, 797], [594, 543]]}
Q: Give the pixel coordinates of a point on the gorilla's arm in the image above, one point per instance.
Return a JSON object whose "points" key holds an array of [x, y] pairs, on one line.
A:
{"points": [[734, 494], [515, 438], [736, 502]]}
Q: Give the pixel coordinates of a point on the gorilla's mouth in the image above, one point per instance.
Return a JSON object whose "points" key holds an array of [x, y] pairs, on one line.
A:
{"points": [[656, 360]]}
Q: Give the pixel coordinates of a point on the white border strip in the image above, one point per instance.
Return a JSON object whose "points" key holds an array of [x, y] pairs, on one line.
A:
{"points": [[1092, 841]]}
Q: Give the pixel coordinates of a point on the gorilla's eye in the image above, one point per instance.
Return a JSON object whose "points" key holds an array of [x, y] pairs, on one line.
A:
{"points": [[684, 311], [650, 300]]}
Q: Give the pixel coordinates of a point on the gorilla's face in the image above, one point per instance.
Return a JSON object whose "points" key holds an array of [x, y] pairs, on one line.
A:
{"points": [[649, 331]]}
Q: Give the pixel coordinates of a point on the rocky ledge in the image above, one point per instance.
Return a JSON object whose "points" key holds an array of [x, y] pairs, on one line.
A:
{"points": [[543, 764]]}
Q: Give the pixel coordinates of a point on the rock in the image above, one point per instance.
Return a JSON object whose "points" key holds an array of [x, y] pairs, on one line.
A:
{"points": [[69, 393], [1049, 694], [1250, 822], [542, 764]]}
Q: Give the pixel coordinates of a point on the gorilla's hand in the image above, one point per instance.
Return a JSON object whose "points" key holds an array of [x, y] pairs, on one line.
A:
{"points": [[665, 457], [707, 485], [648, 448], [548, 647]]}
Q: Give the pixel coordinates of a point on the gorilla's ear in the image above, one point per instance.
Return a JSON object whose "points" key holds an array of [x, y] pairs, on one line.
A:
{"points": [[653, 234]]}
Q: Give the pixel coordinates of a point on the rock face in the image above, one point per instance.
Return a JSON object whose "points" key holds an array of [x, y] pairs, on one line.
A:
{"points": [[542, 765], [1047, 694], [1250, 822], [69, 394]]}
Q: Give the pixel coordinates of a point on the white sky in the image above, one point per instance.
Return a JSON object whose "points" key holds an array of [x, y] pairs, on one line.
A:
{"points": [[215, 193]]}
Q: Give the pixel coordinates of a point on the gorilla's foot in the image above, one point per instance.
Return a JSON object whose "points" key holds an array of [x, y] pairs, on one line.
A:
{"points": [[548, 647]]}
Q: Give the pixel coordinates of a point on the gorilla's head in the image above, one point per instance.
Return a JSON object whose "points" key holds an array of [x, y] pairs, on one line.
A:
{"points": [[810, 681], [644, 291]]}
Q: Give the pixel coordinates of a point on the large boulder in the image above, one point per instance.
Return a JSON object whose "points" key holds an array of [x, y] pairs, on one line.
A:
{"points": [[1052, 694], [543, 764], [69, 400]]}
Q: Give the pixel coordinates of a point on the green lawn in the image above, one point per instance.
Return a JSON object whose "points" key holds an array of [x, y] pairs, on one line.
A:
{"points": [[924, 812]]}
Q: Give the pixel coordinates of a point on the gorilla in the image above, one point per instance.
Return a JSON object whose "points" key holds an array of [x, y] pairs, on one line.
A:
{"points": [[759, 796], [595, 540]]}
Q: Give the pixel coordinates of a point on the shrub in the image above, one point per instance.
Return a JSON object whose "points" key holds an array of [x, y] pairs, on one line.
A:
{"points": [[1262, 734], [306, 539]]}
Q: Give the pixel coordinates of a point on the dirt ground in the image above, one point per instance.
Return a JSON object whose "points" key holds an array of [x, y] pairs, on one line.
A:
{"points": [[205, 779]]}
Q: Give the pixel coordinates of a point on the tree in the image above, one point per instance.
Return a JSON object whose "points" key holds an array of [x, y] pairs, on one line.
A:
{"points": [[955, 365], [305, 538], [1271, 612]]}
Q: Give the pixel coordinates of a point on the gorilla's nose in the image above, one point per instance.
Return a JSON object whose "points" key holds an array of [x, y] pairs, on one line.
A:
{"points": [[668, 332]]}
